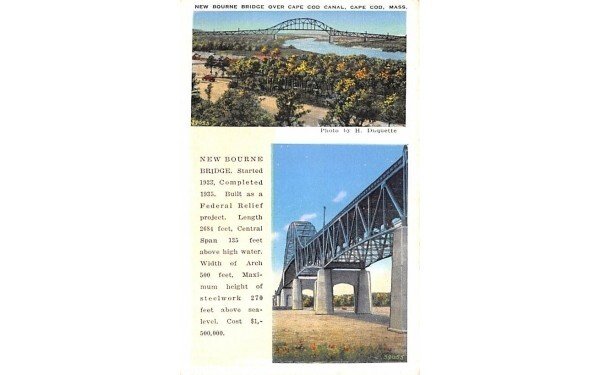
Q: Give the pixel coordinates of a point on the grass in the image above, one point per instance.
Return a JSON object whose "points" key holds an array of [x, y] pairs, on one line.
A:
{"points": [[301, 336], [323, 352]]}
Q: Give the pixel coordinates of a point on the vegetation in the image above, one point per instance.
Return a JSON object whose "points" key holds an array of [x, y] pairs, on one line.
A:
{"points": [[209, 43], [249, 43], [381, 299], [398, 45], [347, 300], [234, 108], [308, 301], [343, 300], [356, 89], [290, 110], [208, 91], [282, 352]]}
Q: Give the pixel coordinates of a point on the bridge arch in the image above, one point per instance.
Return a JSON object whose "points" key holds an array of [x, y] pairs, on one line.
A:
{"points": [[298, 235], [302, 24]]}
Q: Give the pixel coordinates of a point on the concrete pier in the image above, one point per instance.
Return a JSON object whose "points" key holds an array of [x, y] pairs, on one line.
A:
{"points": [[398, 310], [362, 293], [297, 294], [286, 297], [324, 295], [327, 279]]}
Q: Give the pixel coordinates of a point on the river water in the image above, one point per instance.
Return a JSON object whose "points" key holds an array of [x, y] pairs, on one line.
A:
{"points": [[324, 47]]}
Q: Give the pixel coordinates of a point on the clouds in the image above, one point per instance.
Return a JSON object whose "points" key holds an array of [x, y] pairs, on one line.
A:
{"points": [[308, 217], [340, 196], [275, 236]]}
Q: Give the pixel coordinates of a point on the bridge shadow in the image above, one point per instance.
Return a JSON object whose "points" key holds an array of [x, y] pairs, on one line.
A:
{"points": [[379, 316]]}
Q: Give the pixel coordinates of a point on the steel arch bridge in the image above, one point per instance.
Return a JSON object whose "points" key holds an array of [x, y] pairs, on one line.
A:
{"points": [[299, 24], [358, 236]]}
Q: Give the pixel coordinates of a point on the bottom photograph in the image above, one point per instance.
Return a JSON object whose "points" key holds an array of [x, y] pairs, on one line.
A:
{"points": [[339, 253]]}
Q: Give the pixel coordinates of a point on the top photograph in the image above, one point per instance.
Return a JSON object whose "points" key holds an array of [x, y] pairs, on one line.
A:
{"points": [[305, 68]]}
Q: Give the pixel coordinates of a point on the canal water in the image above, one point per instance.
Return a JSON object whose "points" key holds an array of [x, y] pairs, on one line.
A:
{"points": [[324, 47]]}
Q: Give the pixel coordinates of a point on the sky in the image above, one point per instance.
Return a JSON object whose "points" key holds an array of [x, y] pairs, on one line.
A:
{"points": [[378, 22], [308, 177]]}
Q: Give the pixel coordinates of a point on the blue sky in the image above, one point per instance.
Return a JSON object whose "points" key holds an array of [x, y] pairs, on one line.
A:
{"points": [[380, 22], [308, 177]]}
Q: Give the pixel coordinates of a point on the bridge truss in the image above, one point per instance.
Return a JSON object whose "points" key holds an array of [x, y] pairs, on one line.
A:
{"points": [[299, 24], [360, 235]]}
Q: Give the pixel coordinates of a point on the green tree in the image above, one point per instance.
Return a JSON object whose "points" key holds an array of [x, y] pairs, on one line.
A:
{"points": [[393, 110], [199, 108], [223, 64], [307, 301], [289, 109], [380, 299], [208, 91], [238, 108], [210, 63]]}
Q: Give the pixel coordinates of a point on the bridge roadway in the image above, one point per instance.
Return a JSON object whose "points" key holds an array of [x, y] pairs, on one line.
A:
{"points": [[371, 228], [302, 24]]}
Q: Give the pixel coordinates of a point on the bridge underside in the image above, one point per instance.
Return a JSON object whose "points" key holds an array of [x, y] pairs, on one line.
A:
{"points": [[359, 256], [323, 281]]}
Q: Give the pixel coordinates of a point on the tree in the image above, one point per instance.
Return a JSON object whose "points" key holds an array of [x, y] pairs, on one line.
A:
{"points": [[351, 106], [208, 91], [238, 108], [307, 301], [289, 109], [223, 63], [210, 63], [393, 110], [380, 299], [199, 108]]}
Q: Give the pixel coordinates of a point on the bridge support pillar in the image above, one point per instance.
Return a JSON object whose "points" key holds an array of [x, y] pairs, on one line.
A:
{"points": [[324, 293], [297, 294], [363, 293], [398, 310], [286, 297], [315, 296]]}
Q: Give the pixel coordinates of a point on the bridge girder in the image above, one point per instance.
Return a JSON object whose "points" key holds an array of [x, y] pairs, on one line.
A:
{"points": [[300, 24]]}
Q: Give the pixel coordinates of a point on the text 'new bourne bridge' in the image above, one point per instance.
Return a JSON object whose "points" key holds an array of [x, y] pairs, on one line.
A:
{"points": [[298, 24], [371, 228]]}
